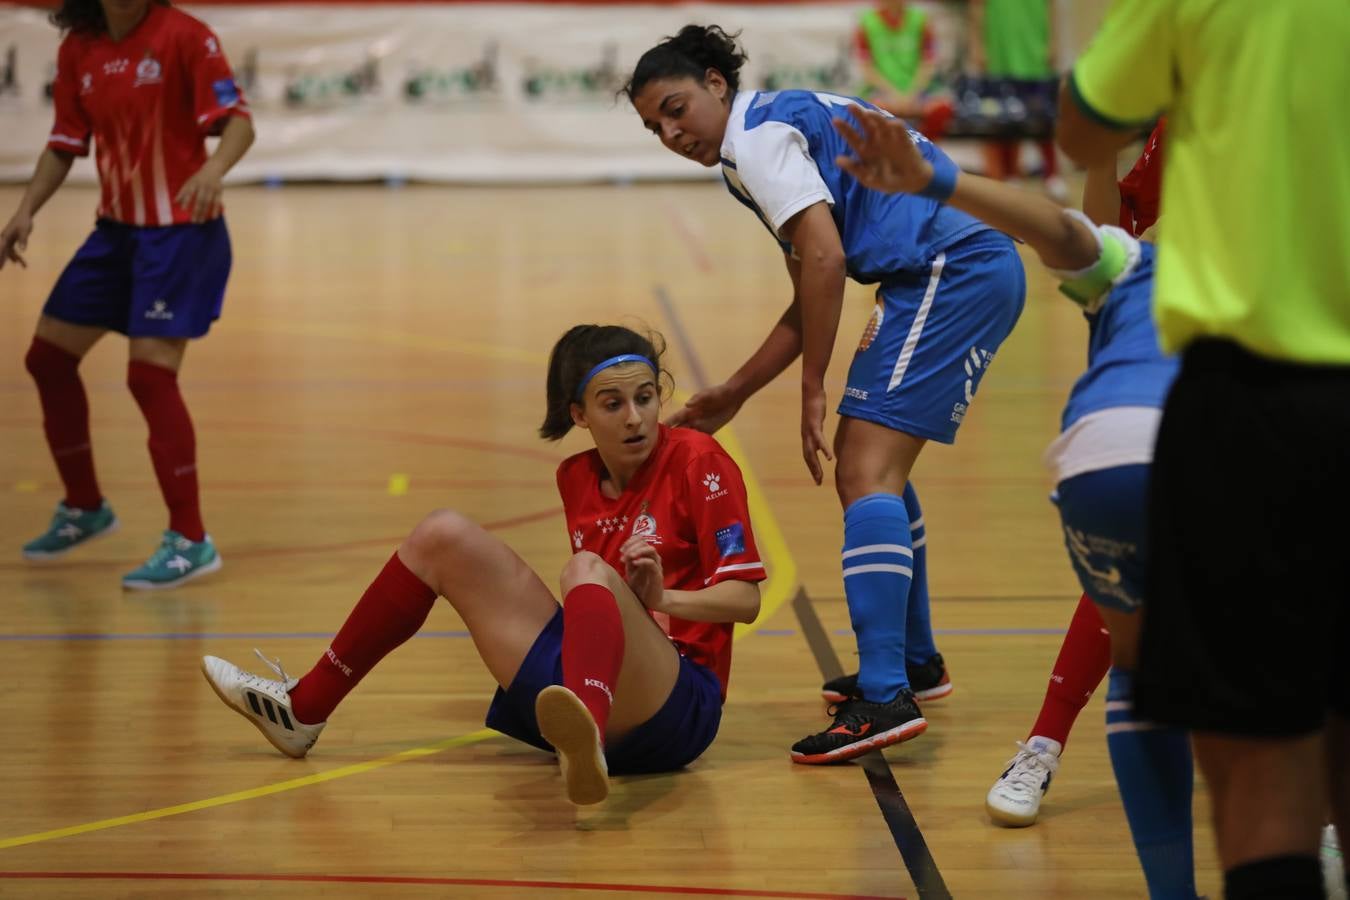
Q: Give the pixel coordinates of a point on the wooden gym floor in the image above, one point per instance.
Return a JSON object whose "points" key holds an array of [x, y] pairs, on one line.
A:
{"points": [[382, 354]]}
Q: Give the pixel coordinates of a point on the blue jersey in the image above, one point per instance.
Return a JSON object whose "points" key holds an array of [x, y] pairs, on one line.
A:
{"points": [[1126, 367], [778, 158]]}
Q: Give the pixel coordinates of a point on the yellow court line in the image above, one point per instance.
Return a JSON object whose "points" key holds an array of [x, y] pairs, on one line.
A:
{"points": [[778, 588], [280, 786]]}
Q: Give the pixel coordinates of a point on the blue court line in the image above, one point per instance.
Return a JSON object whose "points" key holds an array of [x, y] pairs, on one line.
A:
{"points": [[325, 635]]}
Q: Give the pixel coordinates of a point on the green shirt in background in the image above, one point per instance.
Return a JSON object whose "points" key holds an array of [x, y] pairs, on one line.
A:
{"points": [[1255, 246], [896, 52], [1017, 39]]}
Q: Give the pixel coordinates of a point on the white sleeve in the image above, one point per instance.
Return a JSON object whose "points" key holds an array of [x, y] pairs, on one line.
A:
{"points": [[774, 164]]}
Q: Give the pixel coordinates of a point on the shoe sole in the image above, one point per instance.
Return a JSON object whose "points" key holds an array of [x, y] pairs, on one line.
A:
{"points": [[247, 715], [933, 693], [897, 735], [140, 585], [1010, 819], [40, 556], [565, 723]]}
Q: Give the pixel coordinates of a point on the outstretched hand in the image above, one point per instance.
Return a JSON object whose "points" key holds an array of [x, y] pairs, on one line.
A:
{"points": [[707, 410], [885, 156]]}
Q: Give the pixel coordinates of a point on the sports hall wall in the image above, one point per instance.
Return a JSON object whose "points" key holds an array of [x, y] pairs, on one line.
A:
{"points": [[467, 92]]}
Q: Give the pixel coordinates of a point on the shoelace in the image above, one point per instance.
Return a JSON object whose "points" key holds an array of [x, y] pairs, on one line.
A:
{"points": [[1027, 770], [275, 665]]}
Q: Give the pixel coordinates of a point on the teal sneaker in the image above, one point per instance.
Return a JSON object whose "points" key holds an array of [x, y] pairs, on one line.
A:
{"points": [[177, 560], [70, 528]]}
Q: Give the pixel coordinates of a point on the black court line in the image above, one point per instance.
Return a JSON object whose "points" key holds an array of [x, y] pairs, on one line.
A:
{"points": [[923, 871], [905, 831]]}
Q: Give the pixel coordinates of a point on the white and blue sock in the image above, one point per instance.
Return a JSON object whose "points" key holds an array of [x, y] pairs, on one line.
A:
{"points": [[878, 564], [1154, 773]]}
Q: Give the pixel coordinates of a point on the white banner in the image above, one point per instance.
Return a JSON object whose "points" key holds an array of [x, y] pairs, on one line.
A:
{"points": [[458, 92]]}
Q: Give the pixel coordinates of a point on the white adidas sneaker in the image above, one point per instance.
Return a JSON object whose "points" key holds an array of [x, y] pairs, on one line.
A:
{"points": [[566, 723], [1015, 799], [264, 702]]}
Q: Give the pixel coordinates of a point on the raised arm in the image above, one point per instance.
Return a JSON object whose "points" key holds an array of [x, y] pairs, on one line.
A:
{"points": [[888, 160]]}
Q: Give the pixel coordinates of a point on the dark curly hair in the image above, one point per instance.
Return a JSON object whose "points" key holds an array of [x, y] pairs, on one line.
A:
{"points": [[692, 52], [581, 349], [84, 16]]}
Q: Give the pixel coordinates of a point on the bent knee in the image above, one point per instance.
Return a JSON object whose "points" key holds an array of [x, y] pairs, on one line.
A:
{"points": [[440, 533], [586, 567]]}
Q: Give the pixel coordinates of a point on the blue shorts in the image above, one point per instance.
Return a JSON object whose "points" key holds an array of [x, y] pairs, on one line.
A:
{"points": [[931, 338], [674, 737], [1105, 517], [166, 281]]}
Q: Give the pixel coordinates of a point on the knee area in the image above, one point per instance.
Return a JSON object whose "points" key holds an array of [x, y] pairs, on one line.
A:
{"points": [[585, 568], [438, 535], [144, 379], [46, 361]]}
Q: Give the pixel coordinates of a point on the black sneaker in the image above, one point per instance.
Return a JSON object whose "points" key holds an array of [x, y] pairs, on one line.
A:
{"points": [[928, 681], [861, 726]]}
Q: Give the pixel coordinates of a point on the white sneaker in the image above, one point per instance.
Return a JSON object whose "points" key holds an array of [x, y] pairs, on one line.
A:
{"points": [[1015, 799], [264, 702], [566, 723], [1333, 865]]}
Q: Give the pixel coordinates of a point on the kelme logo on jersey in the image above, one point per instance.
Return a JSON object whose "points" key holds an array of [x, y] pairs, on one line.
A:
{"points": [[576, 538], [583, 83], [476, 81], [730, 540], [713, 482]]}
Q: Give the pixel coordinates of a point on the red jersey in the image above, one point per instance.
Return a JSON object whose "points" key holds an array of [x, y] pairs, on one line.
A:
{"points": [[148, 101], [688, 498], [1141, 188]]}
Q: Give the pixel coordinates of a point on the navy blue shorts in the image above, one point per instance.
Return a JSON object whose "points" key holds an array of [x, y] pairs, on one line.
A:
{"points": [[673, 738], [932, 337], [1105, 517], [166, 281]]}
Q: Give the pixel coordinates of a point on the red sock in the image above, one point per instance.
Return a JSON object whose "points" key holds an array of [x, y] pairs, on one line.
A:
{"points": [[1083, 660], [391, 610], [65, 420], [592, 648], [173, 444]]}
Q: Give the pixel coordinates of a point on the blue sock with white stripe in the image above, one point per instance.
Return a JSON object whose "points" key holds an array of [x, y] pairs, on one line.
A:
{"points": [[919, 644], [1154, 774], [878, 565]]}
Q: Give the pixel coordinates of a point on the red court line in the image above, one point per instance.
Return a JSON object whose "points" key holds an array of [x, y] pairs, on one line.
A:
{"points": [[692, 243], [460, 882], [402, 437], [264, 552]]}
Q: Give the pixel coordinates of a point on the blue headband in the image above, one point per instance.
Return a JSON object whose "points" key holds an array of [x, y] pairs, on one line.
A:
{"points": [[612, 361]]}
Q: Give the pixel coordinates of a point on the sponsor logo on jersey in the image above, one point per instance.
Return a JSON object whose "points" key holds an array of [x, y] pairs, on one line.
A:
{"points": [[226, 91], [730, 540], [873, 326]]}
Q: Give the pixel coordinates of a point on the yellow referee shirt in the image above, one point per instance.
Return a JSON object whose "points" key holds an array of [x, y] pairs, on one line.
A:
{"points": [[1256, 189]]}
